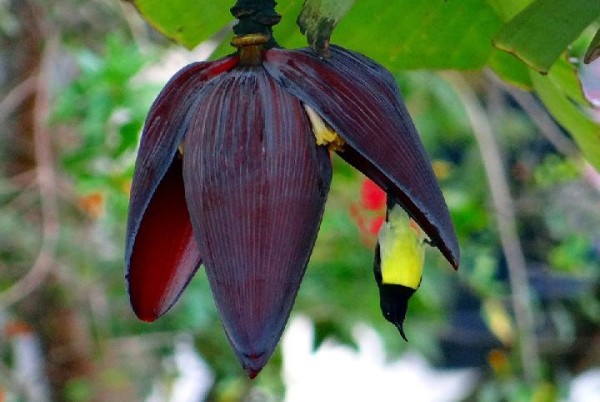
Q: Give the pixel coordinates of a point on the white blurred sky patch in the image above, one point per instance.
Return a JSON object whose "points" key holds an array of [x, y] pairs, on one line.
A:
{"points": [[174, 60], [585, 387], [590, 80], [188, 377], [335, 372]]}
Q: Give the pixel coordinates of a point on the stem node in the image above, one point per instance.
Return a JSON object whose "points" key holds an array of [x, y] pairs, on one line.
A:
{"points": [[255, 17]]}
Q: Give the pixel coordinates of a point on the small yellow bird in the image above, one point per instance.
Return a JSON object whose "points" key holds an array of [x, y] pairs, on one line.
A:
{"points": [[398, 267]]}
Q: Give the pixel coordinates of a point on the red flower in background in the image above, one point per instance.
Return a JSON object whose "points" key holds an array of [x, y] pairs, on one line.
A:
{"points": [[369, 212], [372, 196]]}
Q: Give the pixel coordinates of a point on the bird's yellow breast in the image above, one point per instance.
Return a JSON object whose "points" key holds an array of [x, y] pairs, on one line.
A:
{"points": [[402, 250]]}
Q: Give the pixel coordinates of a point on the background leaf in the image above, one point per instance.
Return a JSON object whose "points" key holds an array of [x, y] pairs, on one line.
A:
{"points": [[507, 9], [415, 34], [584, 130], [401, 34], [510, 69], [540, 33], [186, 22]]}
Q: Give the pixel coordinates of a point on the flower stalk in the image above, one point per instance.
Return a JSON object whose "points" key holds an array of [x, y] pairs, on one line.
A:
{"points": [[250, 48]]}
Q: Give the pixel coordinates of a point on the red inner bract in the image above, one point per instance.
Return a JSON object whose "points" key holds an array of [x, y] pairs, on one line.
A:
{"points": [[165, 254]]}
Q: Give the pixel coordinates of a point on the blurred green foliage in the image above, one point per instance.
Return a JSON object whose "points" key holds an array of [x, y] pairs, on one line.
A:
{"points": [[99, 116], [109, 108]]}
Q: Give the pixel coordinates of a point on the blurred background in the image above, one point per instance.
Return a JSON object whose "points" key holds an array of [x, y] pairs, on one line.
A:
{"points": [[518, 322]]}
